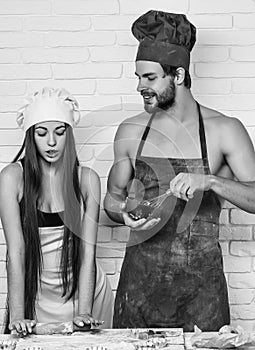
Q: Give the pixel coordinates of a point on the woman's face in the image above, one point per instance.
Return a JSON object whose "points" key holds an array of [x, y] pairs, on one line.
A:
{"points": [[50, 138]]}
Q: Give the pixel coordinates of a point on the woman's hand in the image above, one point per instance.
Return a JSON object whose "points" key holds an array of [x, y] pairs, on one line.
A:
{"points": [[86, 321], [22, 327]]}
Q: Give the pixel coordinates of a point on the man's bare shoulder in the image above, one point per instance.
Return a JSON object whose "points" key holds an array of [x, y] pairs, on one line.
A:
{"points": [[133, 127], [218, 121]]}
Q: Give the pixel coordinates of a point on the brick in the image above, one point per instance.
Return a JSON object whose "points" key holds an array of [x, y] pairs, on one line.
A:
{"points": [[239, 54], [229, 102], [114, 280], [75, 87], [25, 71], [117, 23], [111, 250], [85, 120], [10, 56], [242, 280], [244, 21], [240, 217], [226, 37], [243, 86], [246, 117], [95, 135], [119, 263], [10, 24], [236, 233], [211, 21], [242, 248], [3, 284], [224, 216], [100, 102], [120, 86], [87, 71], [211, 86], [113, 54], [106, 118], [108, 265], [85, 153], [132, 103], [221, 6], [224, 248], [210, 54], [12, 88], [121, 234], [239, 296], [104, 234], [87, 7], [2, 252], [237, 264], [141, 6], [224, 70], [129, 71], [2, 269], [55, 55], [249, 326], [56, 39], [10, 104], [56, 23], [11, 137], [8, 120], [8, 153], [2, 239], [2, 300], [126, 38], [104, 152], [25, 7], [101, 167], [21, 39], [243, 312]]}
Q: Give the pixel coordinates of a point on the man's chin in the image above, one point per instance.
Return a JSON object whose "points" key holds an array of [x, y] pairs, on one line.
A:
{"points": [[150, 108]]}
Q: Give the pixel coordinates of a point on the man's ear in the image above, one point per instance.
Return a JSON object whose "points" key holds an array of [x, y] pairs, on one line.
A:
{"points": [[180, 76]]}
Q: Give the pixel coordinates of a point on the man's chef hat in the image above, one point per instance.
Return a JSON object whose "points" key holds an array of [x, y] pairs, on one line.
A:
{"points": [[165, 38], [49, 104]]}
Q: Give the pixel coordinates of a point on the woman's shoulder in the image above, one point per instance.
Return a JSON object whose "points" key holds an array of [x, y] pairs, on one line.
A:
{"points": [[11, 177]]}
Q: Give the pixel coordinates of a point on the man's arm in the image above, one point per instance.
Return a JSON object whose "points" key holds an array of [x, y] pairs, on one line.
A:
{"points": [[119, 177], [238, 152]]}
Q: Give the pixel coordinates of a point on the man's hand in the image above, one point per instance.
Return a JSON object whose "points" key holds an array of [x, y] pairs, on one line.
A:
{"points": [[22, 327], [184, 185], [138, 225]]}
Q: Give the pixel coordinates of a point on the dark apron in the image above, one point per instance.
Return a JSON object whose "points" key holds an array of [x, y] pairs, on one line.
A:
{"points": [[172, 275]]}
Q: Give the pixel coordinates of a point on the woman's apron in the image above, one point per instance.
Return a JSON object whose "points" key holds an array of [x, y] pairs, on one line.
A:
{"points": [[172, 275]]}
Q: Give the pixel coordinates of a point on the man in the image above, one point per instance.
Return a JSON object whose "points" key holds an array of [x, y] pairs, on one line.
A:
{"points": [[172, 274]]}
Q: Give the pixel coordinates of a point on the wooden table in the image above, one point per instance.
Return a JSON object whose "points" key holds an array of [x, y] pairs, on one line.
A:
{"points": [[112, 339]]}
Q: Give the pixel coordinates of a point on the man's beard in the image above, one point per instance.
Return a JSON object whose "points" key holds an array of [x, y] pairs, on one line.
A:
{"points": [[165, 99]]}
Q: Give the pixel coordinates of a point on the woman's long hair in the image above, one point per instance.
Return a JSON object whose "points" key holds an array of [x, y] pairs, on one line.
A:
{"points": [[70, 256]]}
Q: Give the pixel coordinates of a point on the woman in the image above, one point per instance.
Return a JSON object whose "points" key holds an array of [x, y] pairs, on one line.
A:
{"points": [[49, 209]]}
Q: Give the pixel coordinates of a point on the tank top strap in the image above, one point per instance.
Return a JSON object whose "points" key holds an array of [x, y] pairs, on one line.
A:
{"points": [[144, 137], [202, 134]]}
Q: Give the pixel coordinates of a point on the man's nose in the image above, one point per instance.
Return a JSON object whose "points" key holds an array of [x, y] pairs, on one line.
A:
{"points": [[140, 86]]}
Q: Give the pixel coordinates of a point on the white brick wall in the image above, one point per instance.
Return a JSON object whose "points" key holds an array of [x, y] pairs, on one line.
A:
{"points": [[86, 46]]}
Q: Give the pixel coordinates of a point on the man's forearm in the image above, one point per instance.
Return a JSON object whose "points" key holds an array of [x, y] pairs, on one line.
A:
{"points": [[112, 207], [241, 194]]}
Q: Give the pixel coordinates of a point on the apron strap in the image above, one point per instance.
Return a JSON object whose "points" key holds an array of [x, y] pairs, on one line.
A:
{"points": [[202, 136], [144, 137]]}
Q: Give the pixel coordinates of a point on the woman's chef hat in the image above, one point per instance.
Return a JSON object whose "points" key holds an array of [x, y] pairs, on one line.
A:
{"points": [[46, 105]]}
